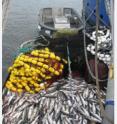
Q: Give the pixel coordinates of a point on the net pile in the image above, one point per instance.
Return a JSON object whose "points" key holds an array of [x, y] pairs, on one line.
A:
{"points": [[34, 71]]}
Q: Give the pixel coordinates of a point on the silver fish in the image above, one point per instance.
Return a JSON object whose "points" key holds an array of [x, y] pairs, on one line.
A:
{"points": [[35, 120], [93, 108], [82, 100], [73, 99], [96, 116], [20, 108], [34, 114], [16, 115], [30, 111], [57, 114], [95, 119], [85, 93], [67, 121]]}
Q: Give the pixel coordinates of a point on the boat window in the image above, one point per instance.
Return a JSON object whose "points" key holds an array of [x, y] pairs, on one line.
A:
{"points": [[67, 12], [47, 15], [47, 12]]}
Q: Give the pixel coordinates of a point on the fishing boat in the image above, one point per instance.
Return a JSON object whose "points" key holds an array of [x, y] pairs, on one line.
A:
{"points": [[52, 20], [51, 74]]}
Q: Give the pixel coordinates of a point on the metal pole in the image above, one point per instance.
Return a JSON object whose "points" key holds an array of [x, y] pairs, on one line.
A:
{"points": [[109, 109], [96, 59]]}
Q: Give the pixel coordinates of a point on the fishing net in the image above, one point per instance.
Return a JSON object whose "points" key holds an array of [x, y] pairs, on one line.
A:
{"points": [[34, 71], [66, 101]]}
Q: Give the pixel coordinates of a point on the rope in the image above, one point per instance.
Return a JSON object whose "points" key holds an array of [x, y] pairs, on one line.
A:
{"points": [[85, 51], [69, 62], [90, 15], [96, 49]]}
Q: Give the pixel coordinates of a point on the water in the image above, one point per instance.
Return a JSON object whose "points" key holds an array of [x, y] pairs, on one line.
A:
{"points": [[22, 24]]}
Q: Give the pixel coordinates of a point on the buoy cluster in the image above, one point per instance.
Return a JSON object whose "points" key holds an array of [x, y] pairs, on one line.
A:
{"points": [[104, 39], [103, 45], [31, 72], [104, 56]]}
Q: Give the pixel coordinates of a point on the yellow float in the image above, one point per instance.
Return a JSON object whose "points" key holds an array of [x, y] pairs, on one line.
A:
{"points": [[33, 71]]}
